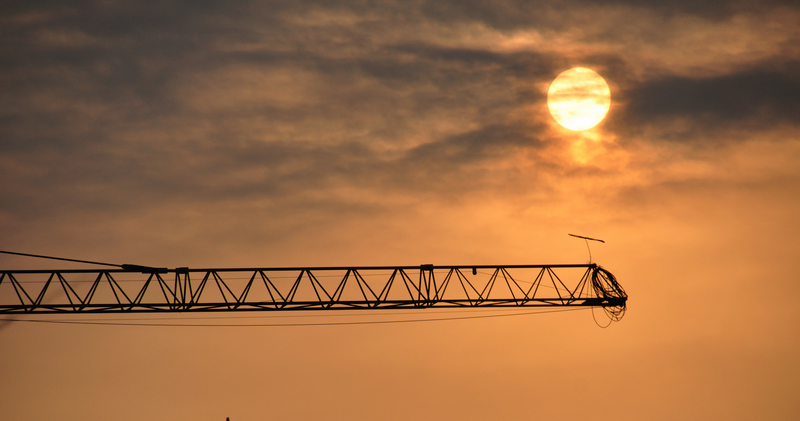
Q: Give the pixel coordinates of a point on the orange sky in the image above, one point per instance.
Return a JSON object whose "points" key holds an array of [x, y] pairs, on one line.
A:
{"points": [[258, 134]]}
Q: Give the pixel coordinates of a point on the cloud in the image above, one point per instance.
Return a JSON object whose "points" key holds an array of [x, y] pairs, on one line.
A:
{"points": [[752, 100], [509, 15], [116, 108]]}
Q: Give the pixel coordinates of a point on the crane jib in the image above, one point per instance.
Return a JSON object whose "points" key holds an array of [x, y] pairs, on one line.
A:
{"points": [[136, 288]]}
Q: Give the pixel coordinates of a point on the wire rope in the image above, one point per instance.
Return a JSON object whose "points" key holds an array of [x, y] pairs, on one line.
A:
{"points": [[368, 322], [272, 315]]}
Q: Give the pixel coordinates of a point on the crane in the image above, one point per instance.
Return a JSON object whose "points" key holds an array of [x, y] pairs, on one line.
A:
{"points": [[129, 288]]}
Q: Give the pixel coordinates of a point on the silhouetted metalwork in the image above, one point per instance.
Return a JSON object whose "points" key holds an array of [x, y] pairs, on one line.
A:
{"points": [[145, 289]]}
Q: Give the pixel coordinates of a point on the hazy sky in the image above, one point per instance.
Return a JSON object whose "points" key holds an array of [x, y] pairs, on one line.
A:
{"points": [[219, 134]]}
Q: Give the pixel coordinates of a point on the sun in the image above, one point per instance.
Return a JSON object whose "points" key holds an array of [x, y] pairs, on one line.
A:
{"points": [[579, 99]]}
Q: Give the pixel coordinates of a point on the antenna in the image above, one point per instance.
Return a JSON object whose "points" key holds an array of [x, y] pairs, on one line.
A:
{"points": [[587, 243]]}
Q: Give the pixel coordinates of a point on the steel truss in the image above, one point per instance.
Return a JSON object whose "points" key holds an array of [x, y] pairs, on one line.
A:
{"points": [[145, 289]]}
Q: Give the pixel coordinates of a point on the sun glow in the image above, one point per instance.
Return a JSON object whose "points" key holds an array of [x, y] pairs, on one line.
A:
{"points": [[579, 99]]}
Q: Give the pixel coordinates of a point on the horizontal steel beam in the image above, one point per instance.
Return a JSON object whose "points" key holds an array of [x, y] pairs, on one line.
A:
{"points": [[309, 305], [149, 269]]}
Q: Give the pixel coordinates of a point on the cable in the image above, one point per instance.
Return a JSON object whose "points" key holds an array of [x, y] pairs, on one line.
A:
{"points": [[371, 322], [605, 285], [288, 316], [59, 258], [610, 320], [126, 266]]}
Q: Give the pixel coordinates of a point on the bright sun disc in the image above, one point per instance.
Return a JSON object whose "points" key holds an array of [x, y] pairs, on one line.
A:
{"points": [[579, 98]]}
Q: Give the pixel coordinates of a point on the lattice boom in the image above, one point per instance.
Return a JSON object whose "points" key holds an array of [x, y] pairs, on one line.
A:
{"points": [[144, 289]]}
